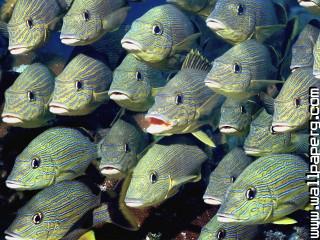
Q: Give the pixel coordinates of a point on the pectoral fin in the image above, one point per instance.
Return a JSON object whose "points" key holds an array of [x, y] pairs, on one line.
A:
{"points": [[88, 236], [308, 208], [186, 44], [285, 221], [113, 21], [203, 137], [186, 179], [264, 32]]}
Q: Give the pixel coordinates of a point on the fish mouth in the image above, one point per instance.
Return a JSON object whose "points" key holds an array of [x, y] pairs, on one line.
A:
{"points": [[58, 108], [228, 218], [110, 170], [252, 151], [281, 127], [157, 124], [134, 203], [11, 118], [118, 96], [17, 50], [131, 45], [15, 185], [215, 24], [211, 200], [69, 40], [213, 84], [228, 129], [308, 3], [13, 236]]}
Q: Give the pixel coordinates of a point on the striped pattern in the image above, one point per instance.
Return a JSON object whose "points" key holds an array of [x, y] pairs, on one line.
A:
{"points": [[138, 92], [112, 149], [175, 25], [242, 27], [233, 116], [232, 165], [263, 142], [38, 79], [175, 160], [296, 87], [280, 183], [64, 154], [302, 50], [62, 205], [88, 31], [200, 7], [255, 62], [316, 55], [7, 9], [41, 12], [232, 231], [188, 83], [95, 78]]}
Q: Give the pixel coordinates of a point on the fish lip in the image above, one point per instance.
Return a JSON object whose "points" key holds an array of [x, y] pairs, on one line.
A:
{"points": [[281, 127], [110, 169], [131, 45], [118, 95], [11, 118], [12, 236], [211, 200], [58, 108], [252, 150], [69, 39], [134, 203], [228, 129], [158, 128], [212, 84], [228, 218], [215, 24], [18, 49], [15, 185], [309, 3]]}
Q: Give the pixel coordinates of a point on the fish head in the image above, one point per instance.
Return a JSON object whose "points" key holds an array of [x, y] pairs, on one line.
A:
{"points": [[235, 21], [81, 87], [262, 140], [26, 101], [235, 116]]}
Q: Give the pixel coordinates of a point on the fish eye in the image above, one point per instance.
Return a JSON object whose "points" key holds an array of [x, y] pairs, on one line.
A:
{"points": [[29, 23], [31, 96], [233, 179], [221, 234], [37, 218], [86, 16], [237, 68], [297, 102], [79, 85], [272, 131], [179, 99], [138, 76], [157, 30], [35, 163], [251, 193], [240, 9], [126, 148], [153, 177], [243, 109]]}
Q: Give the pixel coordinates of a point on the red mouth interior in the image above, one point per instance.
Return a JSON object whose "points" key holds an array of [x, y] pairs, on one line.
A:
{"points": [[157, 121]]}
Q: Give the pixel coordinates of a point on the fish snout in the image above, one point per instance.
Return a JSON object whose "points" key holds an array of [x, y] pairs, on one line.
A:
{"points": [[131, 45], [58, 108], [110, 169], [69, 39], [11, 118], [117, 95], [15, 185], [158, 124], [12, 236], [307, 3], [133, 202], [18, 49], [211, 200], [228, 129], [215, 24], [280, 128]]}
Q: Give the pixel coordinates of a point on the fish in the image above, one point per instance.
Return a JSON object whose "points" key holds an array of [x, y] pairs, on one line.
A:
{"points": [[225, 174], [87, 21], [7, 9], [242, 20], [312, 5], [215, 230], [316, 57], [185, 104], [135, 84], [291, 106], [56, 155], [27, 99], [160, 34], [236, 115], [31, 23], [262, 141], [302, 50], [267, 191], [54, 212], [200, 7], [167, 165], [81, 88], [243, 71], [119, 150]]}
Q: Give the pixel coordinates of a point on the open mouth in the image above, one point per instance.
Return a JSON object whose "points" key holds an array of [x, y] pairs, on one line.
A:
{"points": [[11, 119], [281, 128], [157, 124], [59, 109], [13, 236], [17, 50], [118, 96], [306, 3], [15, 185], [227, 218], [211, 200], [131, 45], [228, 129], [213, 84], [134, 203], [69, 40], [215, 25], [109, 170]]}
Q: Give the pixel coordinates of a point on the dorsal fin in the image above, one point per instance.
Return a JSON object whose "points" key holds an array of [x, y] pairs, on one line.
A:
{"points": [[196, 61]]}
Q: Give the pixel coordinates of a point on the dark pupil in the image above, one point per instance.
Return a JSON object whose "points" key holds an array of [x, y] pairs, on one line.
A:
{"points": [[78, 85], [35, 163], [86, 16], [240, 9], [153, 177], [156, 29], [251, 193], [178, 99], [243, 110], [233, 179], [237, 68], [31, 96], [272, 131], [221, 234], [138, 76], [126, 148], [37, 218], [297, 102], [29, 23]]}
